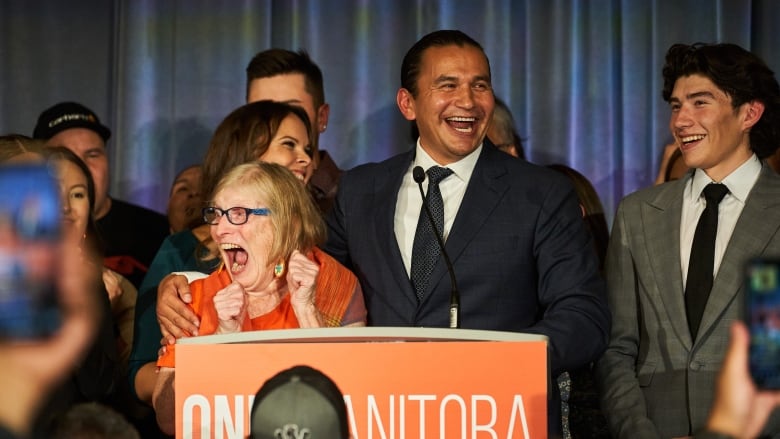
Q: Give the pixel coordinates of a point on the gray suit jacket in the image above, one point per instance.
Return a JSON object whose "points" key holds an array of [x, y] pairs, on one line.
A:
{"points": [[655, 381]]}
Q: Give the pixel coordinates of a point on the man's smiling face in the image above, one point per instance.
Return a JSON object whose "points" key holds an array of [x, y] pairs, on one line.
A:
{"points": [[709, 131], [454, 101]]}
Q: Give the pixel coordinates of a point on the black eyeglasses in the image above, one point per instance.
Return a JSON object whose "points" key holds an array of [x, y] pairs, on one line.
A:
{"points": [[236, 215]]}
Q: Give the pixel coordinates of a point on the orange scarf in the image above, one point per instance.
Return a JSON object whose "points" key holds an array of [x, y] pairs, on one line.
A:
{"points": [[335, 287]]}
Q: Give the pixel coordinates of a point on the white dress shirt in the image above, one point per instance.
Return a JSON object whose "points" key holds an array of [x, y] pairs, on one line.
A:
{"points": [[739, 183], [408, 203]]}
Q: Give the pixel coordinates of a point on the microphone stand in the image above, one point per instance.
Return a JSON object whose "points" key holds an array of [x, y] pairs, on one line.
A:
{"points": [[419, 176]]}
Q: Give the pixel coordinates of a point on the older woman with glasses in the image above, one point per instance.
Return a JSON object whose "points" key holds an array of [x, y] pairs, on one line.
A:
{"points": [[267, 131], [272, 275]]}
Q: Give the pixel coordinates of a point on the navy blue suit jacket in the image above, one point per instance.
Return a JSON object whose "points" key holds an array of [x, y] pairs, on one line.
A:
{"points": [[523, 259]]}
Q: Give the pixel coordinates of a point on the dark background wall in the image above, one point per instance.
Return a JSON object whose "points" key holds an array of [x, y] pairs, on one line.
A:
{"points": [[581, 77]]}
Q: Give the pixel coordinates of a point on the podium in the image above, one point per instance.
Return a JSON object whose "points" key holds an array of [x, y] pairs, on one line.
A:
{"points": [[398, 383]]}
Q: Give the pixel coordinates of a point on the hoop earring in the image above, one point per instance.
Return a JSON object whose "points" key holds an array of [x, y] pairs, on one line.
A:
{"points": [[279, 269]]}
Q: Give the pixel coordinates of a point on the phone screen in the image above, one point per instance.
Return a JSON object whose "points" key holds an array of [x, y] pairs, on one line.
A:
{"points": [[763, 320], [29, 246]]}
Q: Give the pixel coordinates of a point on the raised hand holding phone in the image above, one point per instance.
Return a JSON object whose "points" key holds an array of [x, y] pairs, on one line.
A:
{"points": [[29, 252], [762, 316]]}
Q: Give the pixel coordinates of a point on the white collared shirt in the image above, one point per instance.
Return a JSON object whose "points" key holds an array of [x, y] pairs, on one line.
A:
{"points": [[739, 183], [408, 203]]}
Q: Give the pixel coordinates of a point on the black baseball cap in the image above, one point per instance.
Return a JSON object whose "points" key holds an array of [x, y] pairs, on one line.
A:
{"points": [[66, 115], [298, 400]]}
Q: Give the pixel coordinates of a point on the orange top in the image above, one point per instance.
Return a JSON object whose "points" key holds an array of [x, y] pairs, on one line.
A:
{"points": [[336, 287]]}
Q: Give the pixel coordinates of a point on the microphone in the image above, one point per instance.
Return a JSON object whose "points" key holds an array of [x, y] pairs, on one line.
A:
{"points": [[419, 177]]}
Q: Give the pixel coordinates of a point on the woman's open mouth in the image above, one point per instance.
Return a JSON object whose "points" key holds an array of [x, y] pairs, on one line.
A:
{"points": [[235, 256]]}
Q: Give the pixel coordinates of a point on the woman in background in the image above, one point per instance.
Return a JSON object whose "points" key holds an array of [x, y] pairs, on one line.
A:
{"points": [[93, 379], [578, 390], [185, 200], [592, 209]]}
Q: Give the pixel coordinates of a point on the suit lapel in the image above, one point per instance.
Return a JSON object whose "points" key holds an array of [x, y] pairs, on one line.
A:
{"points": [[483, 194], [386, 191], [758, 222], [661, 217]]}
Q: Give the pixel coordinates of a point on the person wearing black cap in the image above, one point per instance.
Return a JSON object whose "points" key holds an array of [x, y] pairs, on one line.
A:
{"points": [[299, 402], [131, 234]]}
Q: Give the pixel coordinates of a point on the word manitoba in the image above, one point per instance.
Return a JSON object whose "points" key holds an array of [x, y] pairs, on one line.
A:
{"points": [[392, 417]]}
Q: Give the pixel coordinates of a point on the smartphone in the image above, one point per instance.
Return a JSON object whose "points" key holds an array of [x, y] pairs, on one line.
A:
{"points": [[30, 221], [762, 317]]}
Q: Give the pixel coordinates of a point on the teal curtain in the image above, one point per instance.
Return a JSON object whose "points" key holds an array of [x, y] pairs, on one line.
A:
{"points": [[581, 77]]}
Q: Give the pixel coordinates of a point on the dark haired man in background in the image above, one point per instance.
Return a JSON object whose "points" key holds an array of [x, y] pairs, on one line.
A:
{"points": [[292, 77]]}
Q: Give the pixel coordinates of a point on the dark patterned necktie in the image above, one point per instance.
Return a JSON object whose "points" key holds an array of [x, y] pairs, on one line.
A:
{"points": [[701, 266], [425, 250]]}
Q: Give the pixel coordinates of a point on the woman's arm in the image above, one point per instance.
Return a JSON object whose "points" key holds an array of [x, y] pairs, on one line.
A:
{"points": [[164, 399], [145, 380]]}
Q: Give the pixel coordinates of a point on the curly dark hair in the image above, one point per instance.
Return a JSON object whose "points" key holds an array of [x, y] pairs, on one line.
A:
{"points": [[743, 76]]}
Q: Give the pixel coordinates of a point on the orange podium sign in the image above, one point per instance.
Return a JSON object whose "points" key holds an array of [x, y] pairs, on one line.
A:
{"points": [[398, 383]]}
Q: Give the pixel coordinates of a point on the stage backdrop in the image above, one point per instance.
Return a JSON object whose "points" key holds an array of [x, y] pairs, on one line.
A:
{"points": [[581, 77]]}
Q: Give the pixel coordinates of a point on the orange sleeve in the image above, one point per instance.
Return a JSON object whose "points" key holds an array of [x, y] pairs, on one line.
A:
{"points": [[203, 292], [336, 289]]}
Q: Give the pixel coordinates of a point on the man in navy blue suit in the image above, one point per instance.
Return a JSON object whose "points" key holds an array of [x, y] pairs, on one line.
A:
{"points": [[514, 232]]}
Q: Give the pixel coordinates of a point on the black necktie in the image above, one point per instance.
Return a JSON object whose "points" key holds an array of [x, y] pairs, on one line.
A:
{"points": [[425, 250], [701, 266]]}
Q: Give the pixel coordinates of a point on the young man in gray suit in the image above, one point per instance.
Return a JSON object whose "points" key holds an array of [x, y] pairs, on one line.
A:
{"points": [[668, 334]]}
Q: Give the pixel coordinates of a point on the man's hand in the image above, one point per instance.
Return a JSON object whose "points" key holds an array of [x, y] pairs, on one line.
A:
{"points": [[176, 319]]}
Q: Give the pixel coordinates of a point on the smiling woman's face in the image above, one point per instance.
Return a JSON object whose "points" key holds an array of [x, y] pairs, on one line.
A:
{"points": [[74, 198], [291, 148], [244, 248]]}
